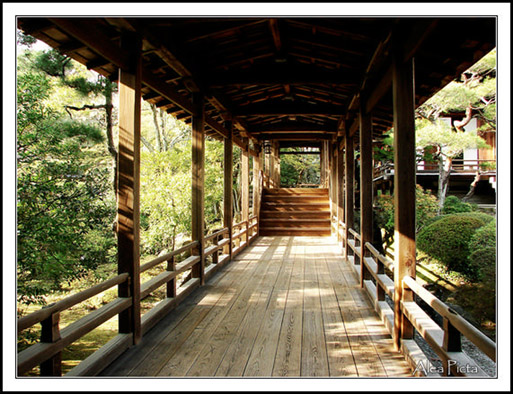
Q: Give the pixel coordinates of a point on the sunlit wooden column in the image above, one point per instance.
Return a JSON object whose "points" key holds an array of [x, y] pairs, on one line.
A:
{"points": [[349, 183], [198, 182], [228, 186], [332, 183], [267, 168], [245, 186], [404, 189], [276, 164], [340, 193], [256, 180], [128, 191], [366, 190]]}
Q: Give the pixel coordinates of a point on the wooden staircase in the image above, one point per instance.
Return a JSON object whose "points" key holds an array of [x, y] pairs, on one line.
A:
{"points": [[292, 211]]}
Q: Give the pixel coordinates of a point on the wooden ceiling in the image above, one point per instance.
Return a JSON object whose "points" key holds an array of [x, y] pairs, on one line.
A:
{"points": [[291, 79]]}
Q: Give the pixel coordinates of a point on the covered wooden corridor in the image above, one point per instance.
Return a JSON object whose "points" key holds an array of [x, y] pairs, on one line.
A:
{"points": [[280, 308], [284, 305]]}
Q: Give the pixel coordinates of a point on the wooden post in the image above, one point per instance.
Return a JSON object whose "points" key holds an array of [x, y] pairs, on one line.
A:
{"points": [[256, 181], [404, 186], [128, 195], [332, 184], [340, 194], [171, 285], [349, 182], [245, 188], [276, 164], [50, 333], [198, 182], [267, 169], [228, 185], [365, 187]]}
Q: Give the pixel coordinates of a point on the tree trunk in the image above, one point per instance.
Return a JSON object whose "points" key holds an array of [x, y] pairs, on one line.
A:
{"points": [[473, 185], [157, 128], [110, 137], [163, 129], [443, 181]]}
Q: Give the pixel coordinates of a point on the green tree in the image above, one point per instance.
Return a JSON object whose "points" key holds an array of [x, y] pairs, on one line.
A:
{"points": [[475, 95], [64, 207]]}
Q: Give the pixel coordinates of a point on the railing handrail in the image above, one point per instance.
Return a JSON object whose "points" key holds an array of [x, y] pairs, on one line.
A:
{"points": [[68, 302], [485, 344], [167, 256], [216, 234], [386, 261]]}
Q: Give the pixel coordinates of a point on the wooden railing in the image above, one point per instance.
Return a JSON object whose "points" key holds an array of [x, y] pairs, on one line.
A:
{"points": [[445, 341], [458, 166], [176, 264]]}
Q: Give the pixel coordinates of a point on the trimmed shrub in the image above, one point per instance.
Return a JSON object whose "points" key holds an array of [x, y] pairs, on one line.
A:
{"points": [[448, 240], [483, 251], [453, 204]]}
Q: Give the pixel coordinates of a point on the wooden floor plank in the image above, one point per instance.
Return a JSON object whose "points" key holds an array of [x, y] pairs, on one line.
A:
{"points": [[181, 362], [210, 357], [172, 343], [150, 342], [340, 355], [261, 360], [366, 358], [285, 307], [288, 354], [314, 359]]}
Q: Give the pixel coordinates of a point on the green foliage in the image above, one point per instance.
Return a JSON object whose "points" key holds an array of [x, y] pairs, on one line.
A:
{"points": [[483, 247], [64, 203], [426, 208], [449, 143], [299, 169], [453, 204], [384, 152], [448, 239]]}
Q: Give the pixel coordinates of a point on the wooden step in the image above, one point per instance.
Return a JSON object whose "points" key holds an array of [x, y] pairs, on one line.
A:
{"points": [[297, 191], [295, 223], [279, 231], [294, 214], [294, 207], [294, 199]]}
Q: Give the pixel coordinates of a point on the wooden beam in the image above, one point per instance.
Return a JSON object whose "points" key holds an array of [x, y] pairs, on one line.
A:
{"points": [[366, 191], [198, 182], [349, 186], [282, 75], [295, 137], [404, 188], [281, 108], [228, 185], [128, 190], [275, 31], [257, 166]]}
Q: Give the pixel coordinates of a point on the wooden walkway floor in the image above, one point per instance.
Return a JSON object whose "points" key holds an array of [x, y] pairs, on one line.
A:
{"points": [[285, 307]]}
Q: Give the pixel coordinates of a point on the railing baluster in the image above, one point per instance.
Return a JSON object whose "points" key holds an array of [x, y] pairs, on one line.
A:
{"points": [[171, 285], [215, 256], [50, 333], [380, 292]]}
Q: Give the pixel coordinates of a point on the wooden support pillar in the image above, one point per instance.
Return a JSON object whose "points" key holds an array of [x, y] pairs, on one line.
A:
{"points": [[245, 188], [267, 169], [404, 188], [228, 186], [198, 182], [366, 191], [256, 181], [340, 194], [128, 191], [276, 164], [332, 183], [349, 182]]}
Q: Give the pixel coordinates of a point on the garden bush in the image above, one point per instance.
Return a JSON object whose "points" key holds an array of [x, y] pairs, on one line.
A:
{"points": [[483, 251], [453, 204], [448, 240]]}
